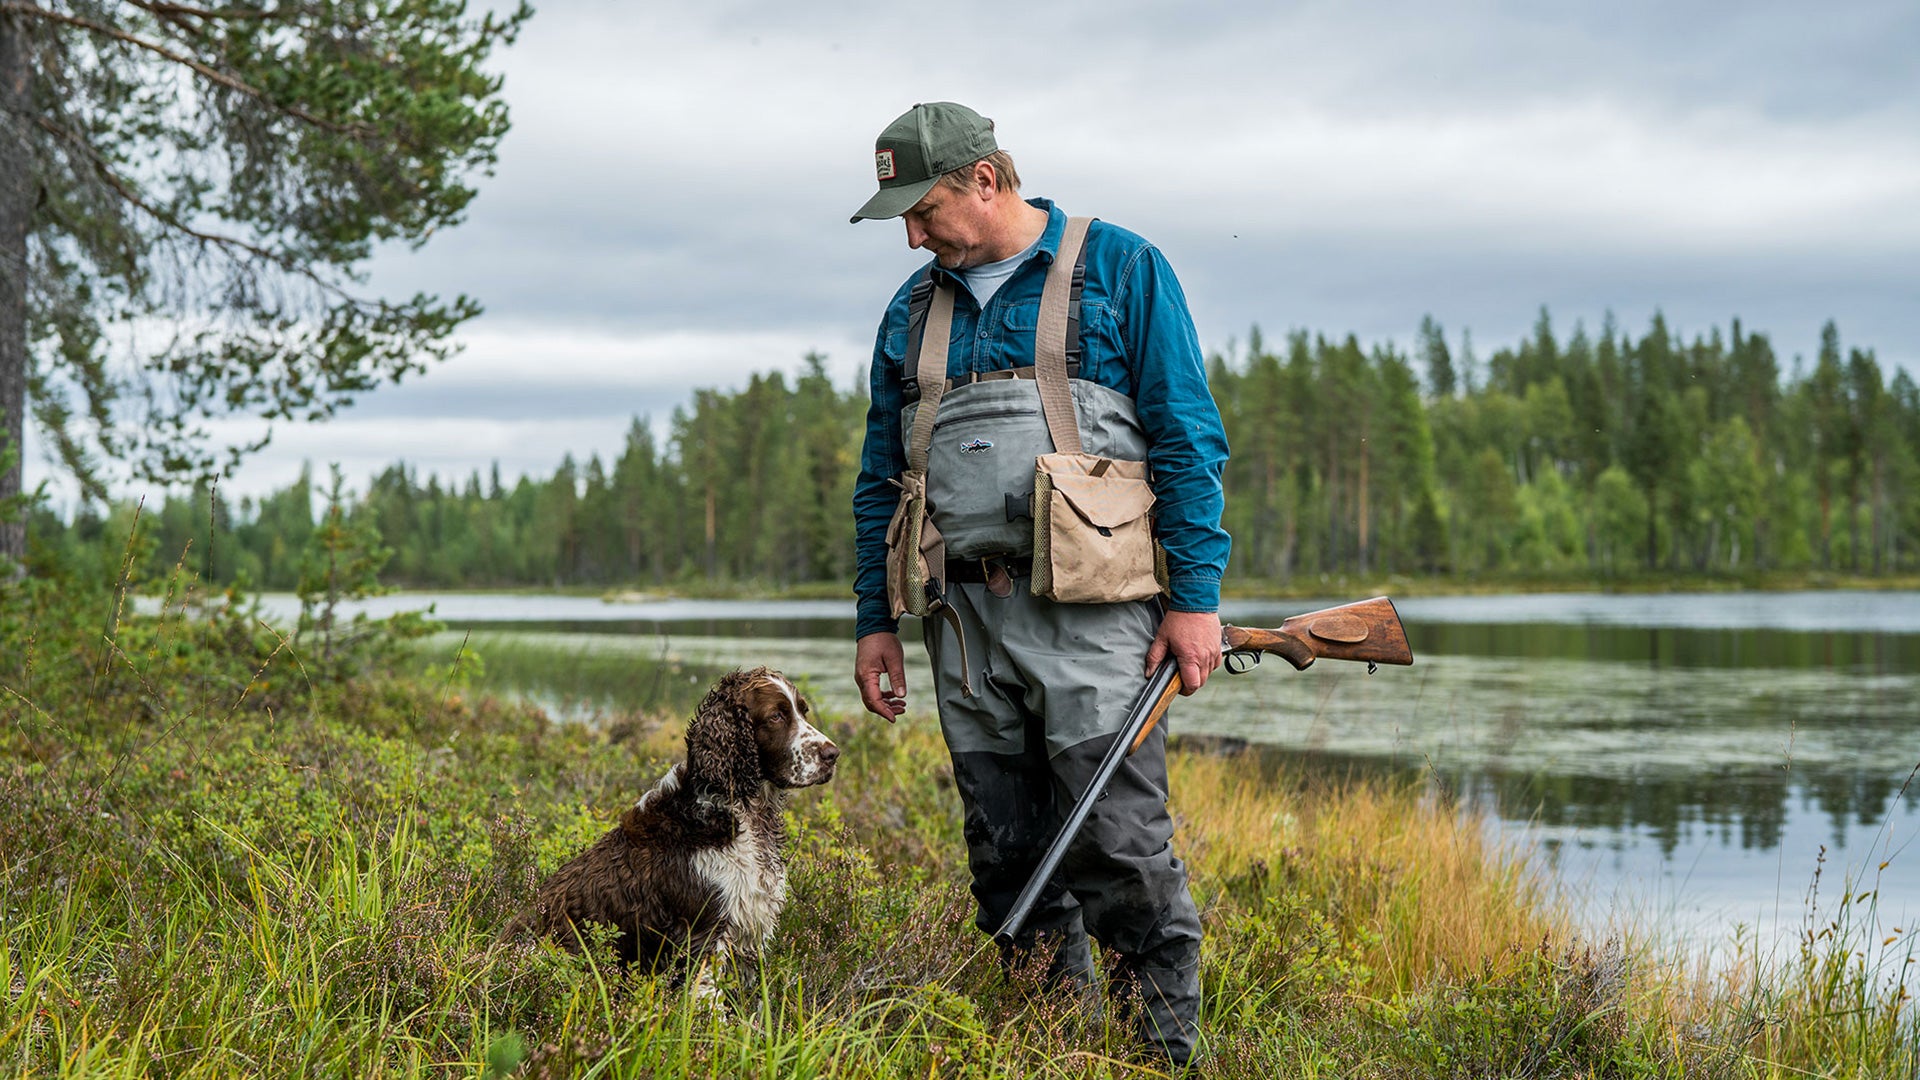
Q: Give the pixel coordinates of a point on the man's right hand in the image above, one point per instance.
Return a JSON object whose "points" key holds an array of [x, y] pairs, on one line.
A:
{"points": [[876, 655]]}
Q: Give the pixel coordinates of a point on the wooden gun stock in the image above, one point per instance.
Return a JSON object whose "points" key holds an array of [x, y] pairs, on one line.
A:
{"points": [[1368, 631]]}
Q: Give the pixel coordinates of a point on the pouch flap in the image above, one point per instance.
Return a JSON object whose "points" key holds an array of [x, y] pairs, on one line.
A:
{"points": [[1105, 501], [1058, 464]]}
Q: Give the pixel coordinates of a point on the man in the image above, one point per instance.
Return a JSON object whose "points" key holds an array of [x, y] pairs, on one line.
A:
{"points": [[1047, 685]]}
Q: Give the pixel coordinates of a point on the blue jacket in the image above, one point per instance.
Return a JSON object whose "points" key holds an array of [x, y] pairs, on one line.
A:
{"points": [[1137, 337]]}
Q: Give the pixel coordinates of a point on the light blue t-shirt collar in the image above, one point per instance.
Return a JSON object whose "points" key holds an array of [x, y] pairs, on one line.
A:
{"points": [[983, 281]]}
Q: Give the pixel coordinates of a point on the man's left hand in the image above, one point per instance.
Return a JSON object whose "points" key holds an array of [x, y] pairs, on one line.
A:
{"points": [[1193, 637]]}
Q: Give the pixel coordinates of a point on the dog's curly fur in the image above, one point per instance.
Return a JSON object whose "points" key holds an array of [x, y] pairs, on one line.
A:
{"points": [[695, 868]]}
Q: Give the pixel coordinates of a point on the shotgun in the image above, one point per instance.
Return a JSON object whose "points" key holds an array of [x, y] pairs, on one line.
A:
{"points": [[1368, 631]]}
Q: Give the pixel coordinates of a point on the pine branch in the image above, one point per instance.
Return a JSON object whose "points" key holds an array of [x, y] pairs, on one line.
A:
{"points": [[171, 11], [126, 191], [206, 71], [195, 22], [123, 188]]}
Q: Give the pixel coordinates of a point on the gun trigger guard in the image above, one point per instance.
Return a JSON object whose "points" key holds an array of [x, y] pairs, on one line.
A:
{"points": [[1239, 662]]}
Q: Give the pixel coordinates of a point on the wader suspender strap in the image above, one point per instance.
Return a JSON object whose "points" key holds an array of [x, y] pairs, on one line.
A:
{"points": [[917, 302], [932, 373], [1050, 342]]}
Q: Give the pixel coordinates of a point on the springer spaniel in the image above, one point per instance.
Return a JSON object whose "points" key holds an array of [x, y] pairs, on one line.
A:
{"points": [[694, 871]]}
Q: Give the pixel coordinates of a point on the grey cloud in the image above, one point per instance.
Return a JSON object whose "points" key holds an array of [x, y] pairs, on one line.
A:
{"points": [[710, 193], [1379, 291], [1787, 57], [535, 397]]}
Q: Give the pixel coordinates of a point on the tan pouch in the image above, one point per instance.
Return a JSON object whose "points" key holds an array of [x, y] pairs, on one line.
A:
{"points": [[917, 556], [1092, 530], [914, 549]]}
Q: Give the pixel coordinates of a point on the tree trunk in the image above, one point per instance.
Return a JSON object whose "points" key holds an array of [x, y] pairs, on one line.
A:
{"points": [[16, 210], [712, 537], [1826, 519], [1365, 538], [1875, 532], [1854, 506], [1653, 523]]}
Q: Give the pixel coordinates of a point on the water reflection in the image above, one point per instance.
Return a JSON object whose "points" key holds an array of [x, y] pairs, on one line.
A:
{"points": [[1880, 653], [1739, 808]]}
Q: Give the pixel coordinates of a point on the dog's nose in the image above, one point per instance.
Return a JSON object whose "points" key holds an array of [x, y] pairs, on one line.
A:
{"points": [[830, 754]]}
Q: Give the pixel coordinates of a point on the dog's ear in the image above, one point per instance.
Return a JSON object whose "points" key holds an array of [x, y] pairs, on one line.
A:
{"points": [[721, 749]]}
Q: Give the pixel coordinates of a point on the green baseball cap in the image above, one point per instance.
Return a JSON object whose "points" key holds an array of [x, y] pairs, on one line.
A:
{"points": [[914, 151]]}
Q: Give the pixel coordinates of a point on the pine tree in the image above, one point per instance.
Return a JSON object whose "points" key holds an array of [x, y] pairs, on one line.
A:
{"points": [[224, 170], [1441, 381], [1826, 396]]}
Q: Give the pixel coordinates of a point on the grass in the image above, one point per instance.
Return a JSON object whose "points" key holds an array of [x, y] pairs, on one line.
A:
{"points": [[214, 862]]}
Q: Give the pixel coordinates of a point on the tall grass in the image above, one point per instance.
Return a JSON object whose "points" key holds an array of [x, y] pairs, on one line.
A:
{"points": [[1840, 993], [214, 865]]}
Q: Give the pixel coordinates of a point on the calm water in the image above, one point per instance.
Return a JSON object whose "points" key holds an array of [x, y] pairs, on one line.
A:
{"points": [[1685, 764]]}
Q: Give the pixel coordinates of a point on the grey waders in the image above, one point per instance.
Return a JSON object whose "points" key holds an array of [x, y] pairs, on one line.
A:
{"points": [[1052, 684], [1032, 692]]}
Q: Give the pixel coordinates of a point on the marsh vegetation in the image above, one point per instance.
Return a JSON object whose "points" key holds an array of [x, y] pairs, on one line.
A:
{"points": [[217, 860]]}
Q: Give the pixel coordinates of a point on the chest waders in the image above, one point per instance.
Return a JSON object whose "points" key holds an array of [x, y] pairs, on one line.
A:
{"points": [[1029, 717]]}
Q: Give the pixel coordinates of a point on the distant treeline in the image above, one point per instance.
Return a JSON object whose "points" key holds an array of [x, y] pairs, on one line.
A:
{"points": [[1600, 455]]}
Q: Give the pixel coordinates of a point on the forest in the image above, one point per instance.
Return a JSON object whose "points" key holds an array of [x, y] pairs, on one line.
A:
{"points": [[1594, 457]]}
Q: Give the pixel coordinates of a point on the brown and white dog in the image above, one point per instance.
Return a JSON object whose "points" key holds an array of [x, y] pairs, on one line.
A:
{"points": [[694, 872]]}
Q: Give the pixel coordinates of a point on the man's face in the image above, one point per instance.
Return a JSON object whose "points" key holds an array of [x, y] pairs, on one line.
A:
{"points": [[951, 225]]}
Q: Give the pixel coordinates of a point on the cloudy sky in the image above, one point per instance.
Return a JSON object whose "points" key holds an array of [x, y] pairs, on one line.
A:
{"points": [[670, 209]]}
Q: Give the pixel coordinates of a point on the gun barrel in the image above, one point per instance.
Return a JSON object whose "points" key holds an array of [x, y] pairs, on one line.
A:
{"points": [[1146, 711]]}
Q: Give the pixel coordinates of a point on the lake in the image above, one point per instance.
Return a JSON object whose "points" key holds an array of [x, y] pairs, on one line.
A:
{"points": [[1687, 766]]}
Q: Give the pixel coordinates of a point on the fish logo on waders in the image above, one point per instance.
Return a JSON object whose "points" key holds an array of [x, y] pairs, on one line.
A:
{"points": [[975, 446]]}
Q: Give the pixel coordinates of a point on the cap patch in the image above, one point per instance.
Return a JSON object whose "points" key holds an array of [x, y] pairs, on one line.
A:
{"points": [[883, 164]]}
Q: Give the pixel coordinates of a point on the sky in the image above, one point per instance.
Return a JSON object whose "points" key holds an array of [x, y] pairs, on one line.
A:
{"points": [[670, 207]]}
